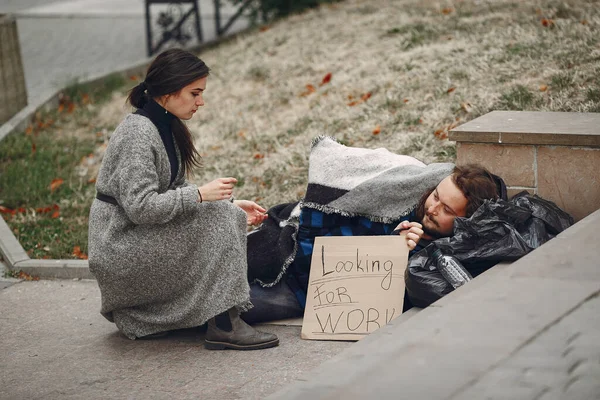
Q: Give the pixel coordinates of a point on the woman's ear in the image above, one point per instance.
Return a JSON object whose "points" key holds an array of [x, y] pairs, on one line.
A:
{"points": [[163, 100]]}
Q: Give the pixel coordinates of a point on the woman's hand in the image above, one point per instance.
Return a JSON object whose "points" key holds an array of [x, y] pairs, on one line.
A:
{"points": [[219, 189], [413, 231], [255, 214]]}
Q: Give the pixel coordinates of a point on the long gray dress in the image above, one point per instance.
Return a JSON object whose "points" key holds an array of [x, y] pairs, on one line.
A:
{"points": [[163, 260]]}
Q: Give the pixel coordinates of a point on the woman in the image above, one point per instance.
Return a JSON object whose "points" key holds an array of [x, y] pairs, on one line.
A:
{"points": [[168, 254]]}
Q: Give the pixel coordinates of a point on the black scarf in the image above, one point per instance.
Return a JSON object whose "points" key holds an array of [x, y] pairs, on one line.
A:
{"points": [[163, 119]]}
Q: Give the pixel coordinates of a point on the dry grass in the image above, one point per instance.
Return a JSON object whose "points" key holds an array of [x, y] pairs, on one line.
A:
{"points": [[428, 65]]}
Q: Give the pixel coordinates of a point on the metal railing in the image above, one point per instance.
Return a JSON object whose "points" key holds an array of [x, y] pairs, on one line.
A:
{"points": [[171, 22]]}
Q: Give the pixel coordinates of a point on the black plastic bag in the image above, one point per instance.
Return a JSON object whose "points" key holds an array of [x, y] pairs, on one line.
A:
{"points": [[498, 231]]}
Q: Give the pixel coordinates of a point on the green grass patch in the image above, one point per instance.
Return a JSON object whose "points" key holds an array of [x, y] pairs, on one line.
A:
{"points": [[84, 92], [562, 81], [48, 223], [45, 192], [415, 34], [593, 94], [518, 98]]}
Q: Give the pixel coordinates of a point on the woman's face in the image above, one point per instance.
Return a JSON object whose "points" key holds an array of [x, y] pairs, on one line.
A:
{"points": [[187, 101]]}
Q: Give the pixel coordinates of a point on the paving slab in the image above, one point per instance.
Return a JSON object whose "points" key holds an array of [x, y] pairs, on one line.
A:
{"points": [[54, 344]]}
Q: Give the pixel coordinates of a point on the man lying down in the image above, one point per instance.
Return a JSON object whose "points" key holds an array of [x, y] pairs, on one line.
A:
{"points": [[358, 192]]}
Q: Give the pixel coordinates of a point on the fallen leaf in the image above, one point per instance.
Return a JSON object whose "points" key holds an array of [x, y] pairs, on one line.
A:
{"points": [[76, 251], [91, 180], [543, 88], [258, 156], [377, 130], [309, 89], [584, 22], [405, 100], [79, 254], [33, 147], [326, 79], [55, 184], [365, 96], [6, 210], [264, 28], [452, 89], [55, 214], [29, 130], [27, 277], [353, 103], [21, 210], [71, 107], [447, 10], [61, 108], [350, 97], [548, 23], [133, 78], [242, 134]]}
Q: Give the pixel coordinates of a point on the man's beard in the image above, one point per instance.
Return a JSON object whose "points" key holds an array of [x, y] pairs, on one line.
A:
{"points": [[420, 214]]}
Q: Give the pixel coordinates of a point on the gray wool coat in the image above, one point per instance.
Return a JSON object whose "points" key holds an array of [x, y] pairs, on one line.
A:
{"points": [[162, 260]]}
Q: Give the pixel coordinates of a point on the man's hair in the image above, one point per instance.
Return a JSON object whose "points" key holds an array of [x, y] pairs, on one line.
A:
{"points": [[476, 184]]}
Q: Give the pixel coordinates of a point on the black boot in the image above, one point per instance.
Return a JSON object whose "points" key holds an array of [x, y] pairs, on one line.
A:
{"points": [[237, 335]]}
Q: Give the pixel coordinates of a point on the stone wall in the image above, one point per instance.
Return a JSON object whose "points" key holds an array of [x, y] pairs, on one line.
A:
{"points": [[553, 154], [13, 95]]}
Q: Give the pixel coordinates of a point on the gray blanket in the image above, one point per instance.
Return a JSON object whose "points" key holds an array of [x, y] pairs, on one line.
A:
{"points": [[374, 183]]}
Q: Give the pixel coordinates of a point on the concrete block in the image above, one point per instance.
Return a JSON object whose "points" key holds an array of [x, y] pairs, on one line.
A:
{"points": [[10, 248], [536, 128], [515, 164], [569, 177], [58, 269]]}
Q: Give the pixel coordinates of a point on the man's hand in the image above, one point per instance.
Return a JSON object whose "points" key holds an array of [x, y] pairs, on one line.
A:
{"points": [[413, 231], [255, 214], [219, 189]]}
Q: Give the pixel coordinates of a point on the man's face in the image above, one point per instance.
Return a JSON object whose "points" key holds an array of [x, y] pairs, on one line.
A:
{"points": [[445, 203]]}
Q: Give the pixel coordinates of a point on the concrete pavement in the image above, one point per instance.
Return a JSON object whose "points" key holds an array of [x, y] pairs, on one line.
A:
{"points": [[54, 344]]}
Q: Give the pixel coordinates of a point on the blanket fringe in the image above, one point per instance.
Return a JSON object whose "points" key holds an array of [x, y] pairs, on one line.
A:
{"points": [[333, 210], [317, 139], [295, 222]]}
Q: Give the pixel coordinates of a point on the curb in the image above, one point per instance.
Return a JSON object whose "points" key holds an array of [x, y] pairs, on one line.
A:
{"points": [[16, 258]]}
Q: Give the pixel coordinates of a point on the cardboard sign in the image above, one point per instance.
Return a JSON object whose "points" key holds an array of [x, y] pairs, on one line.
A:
{"points": [[356, 286]]}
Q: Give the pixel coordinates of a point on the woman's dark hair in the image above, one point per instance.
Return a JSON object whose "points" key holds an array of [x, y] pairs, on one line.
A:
{"points": [[171, 71], [476, 183]]}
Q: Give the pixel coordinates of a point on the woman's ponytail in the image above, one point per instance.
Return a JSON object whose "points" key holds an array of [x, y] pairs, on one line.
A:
{"points": [[139, 96]]}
